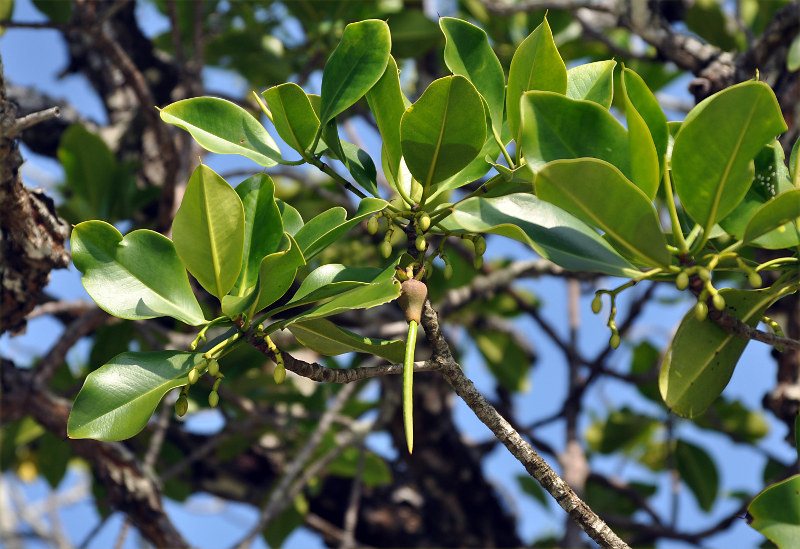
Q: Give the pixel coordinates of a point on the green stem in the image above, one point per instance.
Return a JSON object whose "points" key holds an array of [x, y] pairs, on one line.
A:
{"points": [[408, 384], [403, 194], [215, 351], [677, 231], [507, 156], [330, 172]]}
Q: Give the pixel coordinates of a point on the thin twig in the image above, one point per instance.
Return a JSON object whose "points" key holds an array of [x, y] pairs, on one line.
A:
{"points": [[78, 328], [25, 122], [351, 514]]}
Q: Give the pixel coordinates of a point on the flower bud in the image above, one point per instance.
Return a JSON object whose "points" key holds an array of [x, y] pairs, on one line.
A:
{"points": [[718, 301], [478, 261], [424, 221], [181, 406], [279, 374], [597, 304], [372, 225], [682, 281], [386, 248], [194, 375], [701, 311], [755, 279], [421, 244], [480, 245], [213, 399], [448, 272], [614, 341], [213, 367]]}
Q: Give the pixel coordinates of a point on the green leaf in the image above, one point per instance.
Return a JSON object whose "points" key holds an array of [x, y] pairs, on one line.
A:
{"points": [[117, 399], [467, 53], [443, 131], [136, 277], [533, 489], [208, 231], [644, 364], [780, 210], [593, 191], [775, 512], [733, 418], [325, 337], [413, 33], [375, 472], [361, 167], [223, 127], [275, 276], [553, 233], [326, 281], [58, 12], [622, 430], [645, 170], [771, 180], [698, 471], [292, 220], [97, 186], [293, 116], [793, 55], [712, 159], [286, 522], [648, 108], [326, 228], [592, 82], [354, 66], [794, 171], [536, 65], [555, 127], [361, 297], [263, 227], [702, 356], [506, 358], [385, 100], [52, 457]]}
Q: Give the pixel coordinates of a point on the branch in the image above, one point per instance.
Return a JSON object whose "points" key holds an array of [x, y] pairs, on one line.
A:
{"points": [[592, 524], [129, 488], [32, 119]]}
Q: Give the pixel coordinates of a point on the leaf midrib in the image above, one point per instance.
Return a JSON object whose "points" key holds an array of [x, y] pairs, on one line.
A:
{"points": [[722, 181]]}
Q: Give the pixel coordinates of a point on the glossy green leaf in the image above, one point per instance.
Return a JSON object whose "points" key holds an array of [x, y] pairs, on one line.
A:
{"points": [[117, 399], [507, 359], [208, 231], [556, 127], [263, 227], [361, 297], [645, 170], [712, 159], [385, 100], [794, 171], [292, 220], [354, 66], [592, 82], [293, 116], [223, 127], [773, 214], [698, 471], [648, 108], [326, 228], [443, 131], [275, 276], [139, 276], [536, 65], [329, 280], [702, 356], [552, 232], [775, 512], [325, 337], [593, 191], [467, 53], [771, 180], [361, 167]]}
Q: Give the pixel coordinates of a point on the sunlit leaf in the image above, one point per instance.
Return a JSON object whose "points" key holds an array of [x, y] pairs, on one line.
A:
{"points": [[117, 399], [328, 339], [326, 228], [139, 276], [592, 82], [775, 512], [208, 231]]}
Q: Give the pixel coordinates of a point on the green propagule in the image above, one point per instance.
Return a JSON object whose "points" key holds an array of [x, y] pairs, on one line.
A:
{"points": [[569, 180]]}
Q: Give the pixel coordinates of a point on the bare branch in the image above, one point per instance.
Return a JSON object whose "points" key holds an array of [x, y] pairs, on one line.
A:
{"points": [[32, 119]]}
